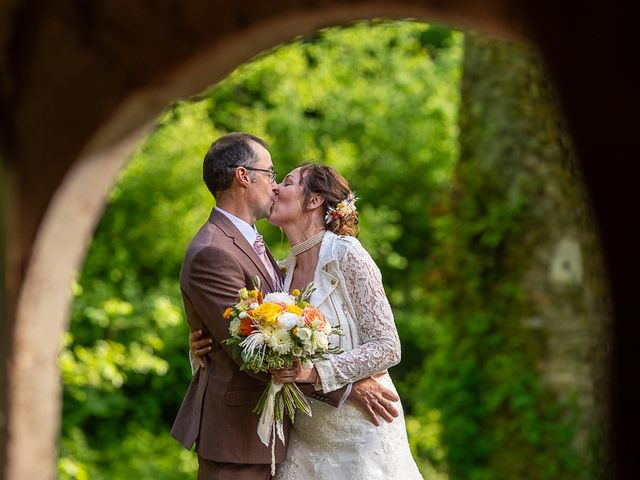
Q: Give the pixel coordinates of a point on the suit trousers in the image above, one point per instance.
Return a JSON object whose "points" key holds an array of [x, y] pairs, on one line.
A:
{"points": [[208, 470]]}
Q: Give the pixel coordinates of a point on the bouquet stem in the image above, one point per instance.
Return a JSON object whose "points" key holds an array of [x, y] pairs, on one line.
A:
{"points": [[286, 395], [275, 401], [289, 395]]}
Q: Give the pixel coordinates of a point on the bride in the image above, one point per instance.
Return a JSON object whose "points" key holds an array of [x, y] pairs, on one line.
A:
{"points": [[316, 209]]}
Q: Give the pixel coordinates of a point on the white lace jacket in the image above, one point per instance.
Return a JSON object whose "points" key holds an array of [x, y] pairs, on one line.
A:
{"points": [[350, 293]]}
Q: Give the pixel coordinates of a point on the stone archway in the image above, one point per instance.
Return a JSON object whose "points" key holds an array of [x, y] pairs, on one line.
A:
{"points": [[120, 74], [76, 205]]}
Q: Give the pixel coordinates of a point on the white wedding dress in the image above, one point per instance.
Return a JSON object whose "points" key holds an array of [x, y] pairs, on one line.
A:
{"points": [[341, 443]]}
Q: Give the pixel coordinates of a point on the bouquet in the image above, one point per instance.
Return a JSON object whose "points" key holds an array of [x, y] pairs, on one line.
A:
{"points": [[273, 331]]}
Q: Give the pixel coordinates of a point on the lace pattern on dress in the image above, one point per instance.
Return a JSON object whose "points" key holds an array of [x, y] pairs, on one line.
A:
{"points": [[379, 346], [338, 444]]}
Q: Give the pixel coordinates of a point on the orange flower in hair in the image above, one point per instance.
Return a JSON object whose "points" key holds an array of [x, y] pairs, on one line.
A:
{"points": [[343, 209]]}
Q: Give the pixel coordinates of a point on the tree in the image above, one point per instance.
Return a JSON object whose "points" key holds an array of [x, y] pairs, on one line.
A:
{"points": [[517, 294]]}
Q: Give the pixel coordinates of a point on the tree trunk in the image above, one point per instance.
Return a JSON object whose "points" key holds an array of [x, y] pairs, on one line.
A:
{"points": [[529, 277]]}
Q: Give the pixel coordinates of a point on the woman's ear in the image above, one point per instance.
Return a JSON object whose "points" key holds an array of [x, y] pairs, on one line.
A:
{"points": [[315, 201]]}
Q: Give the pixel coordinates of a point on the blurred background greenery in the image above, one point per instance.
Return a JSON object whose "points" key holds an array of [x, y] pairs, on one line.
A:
{"points": [[442, 135]]}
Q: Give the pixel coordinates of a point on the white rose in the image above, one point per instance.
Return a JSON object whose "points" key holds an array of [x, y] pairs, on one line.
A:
{"points": [[279, 297], [322, 342], [300, 322], [253, 306], [287, 320], [304, 334], [243, 315]]}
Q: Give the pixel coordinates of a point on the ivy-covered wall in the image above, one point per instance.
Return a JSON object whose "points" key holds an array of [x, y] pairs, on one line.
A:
{"points": [[516, 283]]}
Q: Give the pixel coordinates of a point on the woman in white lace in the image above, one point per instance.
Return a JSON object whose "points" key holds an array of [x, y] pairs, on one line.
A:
{"points": [[316, 210]]}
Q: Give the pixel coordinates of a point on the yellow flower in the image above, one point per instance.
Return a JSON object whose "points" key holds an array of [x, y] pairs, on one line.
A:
{"points": [[268, 312], [253, 294], [228, 312], [294, 309], [295, 292]]}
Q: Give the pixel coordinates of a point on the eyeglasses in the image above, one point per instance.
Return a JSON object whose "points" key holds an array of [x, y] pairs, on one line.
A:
{"points": [[272, 173]]}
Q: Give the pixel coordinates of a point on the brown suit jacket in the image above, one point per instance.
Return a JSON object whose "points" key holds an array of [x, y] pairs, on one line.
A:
{"points": [[216, 410]]}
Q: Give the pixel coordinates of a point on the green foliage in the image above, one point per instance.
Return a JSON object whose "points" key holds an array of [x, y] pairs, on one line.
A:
{"points": [[136, 453]]}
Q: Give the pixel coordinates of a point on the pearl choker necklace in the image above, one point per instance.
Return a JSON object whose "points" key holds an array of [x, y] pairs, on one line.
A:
{"points": [[307, 244]]}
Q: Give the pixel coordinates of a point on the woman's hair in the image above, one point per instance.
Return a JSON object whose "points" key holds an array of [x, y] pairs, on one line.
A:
{"points": [[334, 189]]}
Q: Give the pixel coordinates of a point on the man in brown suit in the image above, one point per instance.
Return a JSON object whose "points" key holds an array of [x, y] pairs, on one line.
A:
{"points": [[225, 254]]}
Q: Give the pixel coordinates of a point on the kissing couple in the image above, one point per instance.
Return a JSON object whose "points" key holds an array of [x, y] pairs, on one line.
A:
{"points": [[349, 391]]}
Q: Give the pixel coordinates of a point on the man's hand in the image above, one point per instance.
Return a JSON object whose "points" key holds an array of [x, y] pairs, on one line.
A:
{"points": [[374, 399], [199, 348]]}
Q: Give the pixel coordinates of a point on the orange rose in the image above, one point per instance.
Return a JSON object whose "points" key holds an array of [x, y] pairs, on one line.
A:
{"points": [[312, 314], [246, 327]]}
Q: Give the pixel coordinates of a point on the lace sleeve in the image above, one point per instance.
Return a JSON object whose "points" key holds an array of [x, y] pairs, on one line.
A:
{"points": [[379, 343]]}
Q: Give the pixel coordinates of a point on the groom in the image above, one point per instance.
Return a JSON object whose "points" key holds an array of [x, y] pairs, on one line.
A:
{"points": [[225, 254]]}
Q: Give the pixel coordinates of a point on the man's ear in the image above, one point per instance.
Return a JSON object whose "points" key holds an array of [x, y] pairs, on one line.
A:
{"points": [[243, 177], [315, 201]]}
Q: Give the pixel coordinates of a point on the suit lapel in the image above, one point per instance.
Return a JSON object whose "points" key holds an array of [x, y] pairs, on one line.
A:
{"points": [[230, 230]]}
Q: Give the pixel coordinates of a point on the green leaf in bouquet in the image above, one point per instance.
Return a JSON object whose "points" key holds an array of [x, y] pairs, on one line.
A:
{"points": [[306, 293], [279, 407], [236, 351], [289, 402], [298, 397], [261, 401]]}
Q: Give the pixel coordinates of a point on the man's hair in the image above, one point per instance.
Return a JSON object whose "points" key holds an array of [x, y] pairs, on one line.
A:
{"points": [[226, 153]]}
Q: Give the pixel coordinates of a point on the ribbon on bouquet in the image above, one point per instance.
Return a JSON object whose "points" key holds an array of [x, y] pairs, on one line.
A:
{"points": [[268, 425]]}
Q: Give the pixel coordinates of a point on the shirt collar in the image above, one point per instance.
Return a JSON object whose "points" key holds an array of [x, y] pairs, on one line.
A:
{"points": [[249, 232]]}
